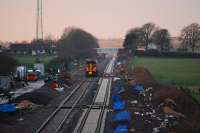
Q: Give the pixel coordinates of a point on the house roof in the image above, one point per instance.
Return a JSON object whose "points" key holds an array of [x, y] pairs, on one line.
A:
{"points": [[25, 47]]}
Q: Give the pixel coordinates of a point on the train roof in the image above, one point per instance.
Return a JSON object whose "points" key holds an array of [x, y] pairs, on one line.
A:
{"points": [[91, 61]]}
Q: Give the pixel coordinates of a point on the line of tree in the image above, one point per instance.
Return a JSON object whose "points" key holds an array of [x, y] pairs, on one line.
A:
{"points": [[190, 36], [143, 36], [73, 43], [150, 33]]}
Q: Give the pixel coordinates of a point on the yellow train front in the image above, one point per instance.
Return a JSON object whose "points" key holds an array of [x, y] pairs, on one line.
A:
{"points": [[91, 69]]}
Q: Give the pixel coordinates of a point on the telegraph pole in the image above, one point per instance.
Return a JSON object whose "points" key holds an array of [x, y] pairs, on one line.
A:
{"points": [[39, 21]]}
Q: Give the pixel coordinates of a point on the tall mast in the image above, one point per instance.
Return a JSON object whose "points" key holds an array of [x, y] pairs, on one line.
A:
{"points": [[39, 21]]}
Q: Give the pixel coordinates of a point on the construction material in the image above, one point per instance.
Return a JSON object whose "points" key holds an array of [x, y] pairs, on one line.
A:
{"points": [[168, 110], [7, 108], [122, 116], [121, 129], [119, 105], [25, 104]]}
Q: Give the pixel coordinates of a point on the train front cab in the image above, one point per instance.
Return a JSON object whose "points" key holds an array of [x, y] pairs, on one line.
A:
{"points": [[91, 69]]}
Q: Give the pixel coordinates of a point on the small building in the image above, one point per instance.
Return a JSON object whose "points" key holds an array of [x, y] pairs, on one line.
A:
{"points": [[33, 49], [152, 46]]}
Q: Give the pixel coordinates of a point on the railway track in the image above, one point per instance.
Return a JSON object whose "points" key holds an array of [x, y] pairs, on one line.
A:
{"points": [[55, 122], [93, 109], [93, 117]]}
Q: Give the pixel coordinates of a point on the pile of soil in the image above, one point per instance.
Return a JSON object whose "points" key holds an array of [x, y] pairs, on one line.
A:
{"points": [[185, 104], [41, 97], [143, 76]]}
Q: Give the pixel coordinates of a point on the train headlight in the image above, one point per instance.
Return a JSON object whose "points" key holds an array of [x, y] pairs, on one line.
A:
{"points": [[90, 73]]}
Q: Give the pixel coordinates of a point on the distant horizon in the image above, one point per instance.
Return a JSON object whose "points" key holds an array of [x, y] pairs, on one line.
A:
{"points": [[118, 42], [101, 18], [105, 38]]}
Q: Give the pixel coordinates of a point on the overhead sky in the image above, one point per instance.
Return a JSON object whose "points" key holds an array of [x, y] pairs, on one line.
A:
{"points": [[102, 18]]}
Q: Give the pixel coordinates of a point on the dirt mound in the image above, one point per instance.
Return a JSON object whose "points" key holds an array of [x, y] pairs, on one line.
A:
{"points": [[143, 76], [184, 101], [185, 104], [25, 104], [41, 97]]}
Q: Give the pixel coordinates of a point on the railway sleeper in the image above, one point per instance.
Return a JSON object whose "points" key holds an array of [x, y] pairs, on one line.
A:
{"points": [[86, 106]]}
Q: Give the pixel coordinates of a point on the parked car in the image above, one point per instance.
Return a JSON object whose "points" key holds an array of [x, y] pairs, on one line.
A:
{"points": [[32, 77]]}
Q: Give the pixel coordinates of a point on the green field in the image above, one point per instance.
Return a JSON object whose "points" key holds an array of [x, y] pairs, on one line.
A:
{"points": [[30, 60], [175, 71]]}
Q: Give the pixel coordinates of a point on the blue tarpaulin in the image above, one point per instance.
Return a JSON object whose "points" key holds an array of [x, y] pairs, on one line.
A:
{"points": [[121, 129], [139, 88], [119, 105], [116, 98], [7, 108], [122, 116]]}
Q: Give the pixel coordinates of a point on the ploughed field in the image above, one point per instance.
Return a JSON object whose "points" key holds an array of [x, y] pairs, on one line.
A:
{"points": [[172, 71]]}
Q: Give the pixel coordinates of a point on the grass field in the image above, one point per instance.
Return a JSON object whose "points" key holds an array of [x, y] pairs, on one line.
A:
{"points": [[176, 71], [30, 60]]}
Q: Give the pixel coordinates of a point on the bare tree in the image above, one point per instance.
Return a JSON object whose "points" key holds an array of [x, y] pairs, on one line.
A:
{"points": [[148, 30], [133, 38], [161, 38], [190, 36]]}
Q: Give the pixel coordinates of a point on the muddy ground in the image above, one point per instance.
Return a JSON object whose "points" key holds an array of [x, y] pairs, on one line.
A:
{"points": [[28, 120], [148, 115], [185, 104]]}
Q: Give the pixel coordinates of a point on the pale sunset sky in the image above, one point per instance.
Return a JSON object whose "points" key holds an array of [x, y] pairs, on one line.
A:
{"points": [[102, 18]]}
